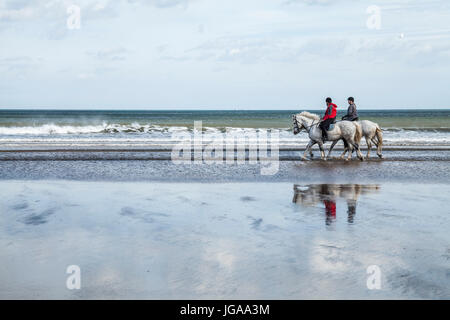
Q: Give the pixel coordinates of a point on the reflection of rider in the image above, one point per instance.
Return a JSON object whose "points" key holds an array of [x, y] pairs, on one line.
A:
{"points": [[329, 117], [351, 210], [329, 201], [312, 195], [330, 210]]}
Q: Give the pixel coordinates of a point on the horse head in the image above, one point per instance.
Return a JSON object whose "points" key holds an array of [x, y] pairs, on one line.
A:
{"points": [[304, 120], [297, 127]]}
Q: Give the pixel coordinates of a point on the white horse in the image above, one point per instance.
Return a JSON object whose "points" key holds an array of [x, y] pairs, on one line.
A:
{"points": [[372, 133], [350, 131]]}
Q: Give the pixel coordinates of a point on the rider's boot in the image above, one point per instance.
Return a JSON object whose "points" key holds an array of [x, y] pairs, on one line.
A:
{"points": [[324, 135]]}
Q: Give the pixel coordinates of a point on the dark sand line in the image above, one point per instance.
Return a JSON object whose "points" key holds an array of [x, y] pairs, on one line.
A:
{"points": [[140, 155], [332, 171], [209, 160], [337, 148]]}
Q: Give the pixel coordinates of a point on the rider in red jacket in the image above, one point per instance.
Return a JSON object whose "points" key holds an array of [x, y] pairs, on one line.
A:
{"points": [[331, 111], [329, 117]]}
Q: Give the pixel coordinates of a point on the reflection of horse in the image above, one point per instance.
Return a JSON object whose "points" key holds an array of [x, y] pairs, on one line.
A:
{"points": [[312, 195], [349, 131]]}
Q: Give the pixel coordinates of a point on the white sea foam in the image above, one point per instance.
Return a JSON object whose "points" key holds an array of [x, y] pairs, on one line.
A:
{"points": [[136, 133]]}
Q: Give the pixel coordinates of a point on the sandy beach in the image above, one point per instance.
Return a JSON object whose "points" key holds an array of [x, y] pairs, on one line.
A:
{"points": [[152, 229], [428, 167]]}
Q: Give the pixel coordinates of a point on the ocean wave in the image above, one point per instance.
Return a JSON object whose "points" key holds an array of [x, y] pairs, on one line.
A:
{"points": [[112, 128], [418, 129], [53, 129], [135, 133]]}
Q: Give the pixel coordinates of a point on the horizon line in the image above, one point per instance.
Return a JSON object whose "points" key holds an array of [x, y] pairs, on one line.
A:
{"points": [[204, 109]]}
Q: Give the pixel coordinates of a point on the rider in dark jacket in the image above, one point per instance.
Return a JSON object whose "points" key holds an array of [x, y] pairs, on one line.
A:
{"points": [[329, 117], [352, 113]]}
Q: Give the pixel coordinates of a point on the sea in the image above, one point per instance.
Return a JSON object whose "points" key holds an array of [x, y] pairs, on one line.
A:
{"points": [[152, 128]]}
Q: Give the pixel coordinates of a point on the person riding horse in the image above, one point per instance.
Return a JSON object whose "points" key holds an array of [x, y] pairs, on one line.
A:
{"points": [[352, 113], [329, 117]]}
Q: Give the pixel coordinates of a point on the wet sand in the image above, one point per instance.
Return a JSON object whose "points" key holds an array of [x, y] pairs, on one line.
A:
{"points": [[429, 168], [151, 240], [141, 227]]}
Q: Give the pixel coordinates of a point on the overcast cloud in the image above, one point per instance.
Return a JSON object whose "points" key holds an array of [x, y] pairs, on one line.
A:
{"points": [[251, 54]]}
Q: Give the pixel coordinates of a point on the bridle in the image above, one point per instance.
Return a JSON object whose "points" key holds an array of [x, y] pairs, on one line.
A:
{"points": [[308, 129], [294, 117]]}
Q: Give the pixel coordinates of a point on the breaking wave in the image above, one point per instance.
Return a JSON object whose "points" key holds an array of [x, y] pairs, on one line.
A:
{"points": [[135, 133], [54, 129]]}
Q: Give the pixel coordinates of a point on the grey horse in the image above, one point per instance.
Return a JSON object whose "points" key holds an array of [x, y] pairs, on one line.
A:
{"points": [[372, 133]]}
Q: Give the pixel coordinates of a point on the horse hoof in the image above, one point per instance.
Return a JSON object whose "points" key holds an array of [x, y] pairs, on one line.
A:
{"points": [[380, 156]]}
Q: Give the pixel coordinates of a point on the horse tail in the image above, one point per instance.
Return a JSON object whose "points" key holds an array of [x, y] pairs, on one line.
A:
{"points": [[358, 133], [379, 134]]}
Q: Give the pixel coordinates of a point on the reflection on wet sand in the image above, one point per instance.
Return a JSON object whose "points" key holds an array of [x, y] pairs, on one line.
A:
{"points": [[328, 194], [159, 240]]}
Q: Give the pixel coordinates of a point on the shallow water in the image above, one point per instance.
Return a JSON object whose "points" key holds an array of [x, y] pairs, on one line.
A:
{"points": [[224, 240], [431, 168]]}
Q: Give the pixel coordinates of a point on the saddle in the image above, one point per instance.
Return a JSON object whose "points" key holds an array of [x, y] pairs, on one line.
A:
{"points": [[331, 127]]}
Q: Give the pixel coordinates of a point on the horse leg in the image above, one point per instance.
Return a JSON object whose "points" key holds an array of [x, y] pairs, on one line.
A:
{"points": [[358, 151], [378, 145], [308, 149], [379, 136], [322, 152], [350, 151], [346, 149], [352, 147], [380, 155], [375, 141], [369, 146], [332, 146]]}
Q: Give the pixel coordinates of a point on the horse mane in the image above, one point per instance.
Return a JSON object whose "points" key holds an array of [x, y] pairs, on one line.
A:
{"points": [[309, 115]]}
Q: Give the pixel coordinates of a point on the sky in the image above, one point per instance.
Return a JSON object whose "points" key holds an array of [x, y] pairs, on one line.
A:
{"points": [[233, 54]]}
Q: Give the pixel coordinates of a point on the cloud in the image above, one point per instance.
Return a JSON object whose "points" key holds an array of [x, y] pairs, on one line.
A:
{"points": [[19, 64], [113, 54], [155, 40], [53, 10], [85, 76], [20, 11], [310, 2], [163, 3], [240, 49]]}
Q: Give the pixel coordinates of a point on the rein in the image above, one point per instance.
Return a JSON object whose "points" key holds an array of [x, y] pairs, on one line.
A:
{"points": [[306, 127], [312, 124]]}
